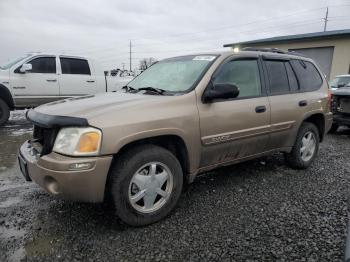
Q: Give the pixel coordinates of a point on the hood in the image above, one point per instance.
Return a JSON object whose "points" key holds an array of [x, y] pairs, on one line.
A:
{"points": [[344, 91], [4, 75], [94, 106]]}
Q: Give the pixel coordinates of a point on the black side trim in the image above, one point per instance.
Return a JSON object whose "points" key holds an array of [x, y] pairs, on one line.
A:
{"points": [[52, 121]]}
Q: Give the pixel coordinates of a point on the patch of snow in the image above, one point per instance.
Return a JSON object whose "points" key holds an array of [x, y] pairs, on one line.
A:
{"points": [[18, 115], [21, 131]]}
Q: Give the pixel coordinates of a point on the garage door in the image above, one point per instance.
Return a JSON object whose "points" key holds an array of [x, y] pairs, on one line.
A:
{"points": [[323, 56]]}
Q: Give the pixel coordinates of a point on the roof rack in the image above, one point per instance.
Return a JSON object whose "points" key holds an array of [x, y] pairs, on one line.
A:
{"points": [[272, 50]]}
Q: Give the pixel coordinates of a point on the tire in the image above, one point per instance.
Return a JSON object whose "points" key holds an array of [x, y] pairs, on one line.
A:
{"points": [[297, 159], [333, 129], [4, 112], [124, 171]]}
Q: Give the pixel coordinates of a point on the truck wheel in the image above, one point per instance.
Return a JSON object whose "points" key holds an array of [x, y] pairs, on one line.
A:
{"points": [[305, 148], [4, 112], [333, 129], [146, 183]]}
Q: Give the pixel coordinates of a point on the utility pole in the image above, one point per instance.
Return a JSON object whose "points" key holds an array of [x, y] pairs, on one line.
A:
{"points": [[325, 21], [123, 66], [130, 55]]}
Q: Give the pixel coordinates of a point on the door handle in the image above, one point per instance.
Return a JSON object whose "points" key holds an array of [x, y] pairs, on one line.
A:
{"points": [[260, 109], [303, 103], [51, 80], [90, 81]]}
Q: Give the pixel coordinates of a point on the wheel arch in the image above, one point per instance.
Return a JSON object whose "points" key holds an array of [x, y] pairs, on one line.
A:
{"points": [[318, 119], [6, 95], [173, 143]]}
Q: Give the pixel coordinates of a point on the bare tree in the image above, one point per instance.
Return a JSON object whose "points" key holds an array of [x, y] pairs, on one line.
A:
{"points": [[146, 63]]}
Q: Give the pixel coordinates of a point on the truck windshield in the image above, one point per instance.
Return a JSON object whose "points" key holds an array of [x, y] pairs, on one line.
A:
{"points": [[174, 75], [13, 62], [340, 81]]}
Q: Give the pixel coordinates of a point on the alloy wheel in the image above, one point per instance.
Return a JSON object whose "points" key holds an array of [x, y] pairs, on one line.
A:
{"points": [[150, 187], [308, 146]]}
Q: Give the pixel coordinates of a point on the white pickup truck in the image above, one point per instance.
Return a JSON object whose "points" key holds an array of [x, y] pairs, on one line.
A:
{"points": [[37, 78]]}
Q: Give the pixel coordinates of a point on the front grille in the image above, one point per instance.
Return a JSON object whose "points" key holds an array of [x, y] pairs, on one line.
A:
{"points": [[46, 137], [344, 105], [334, 105]]}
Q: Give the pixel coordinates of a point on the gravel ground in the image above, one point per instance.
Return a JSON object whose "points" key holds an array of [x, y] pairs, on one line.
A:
{"points": [[254, 211]]}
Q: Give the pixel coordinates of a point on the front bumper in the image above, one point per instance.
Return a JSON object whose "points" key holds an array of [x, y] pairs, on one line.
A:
{"points": [[59, 175], [341, 119]]}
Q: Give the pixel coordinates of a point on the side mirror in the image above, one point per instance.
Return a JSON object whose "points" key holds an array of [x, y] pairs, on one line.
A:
{"points": [[220, 91], [25, 67]]}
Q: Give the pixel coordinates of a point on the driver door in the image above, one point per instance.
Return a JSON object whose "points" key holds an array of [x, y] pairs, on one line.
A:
{"points": [[37, 86], [236, 128]]}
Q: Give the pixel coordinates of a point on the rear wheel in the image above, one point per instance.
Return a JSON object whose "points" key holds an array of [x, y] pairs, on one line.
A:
{"points": [[333, 129], [146, 183], [305, 148], [4, 112]]}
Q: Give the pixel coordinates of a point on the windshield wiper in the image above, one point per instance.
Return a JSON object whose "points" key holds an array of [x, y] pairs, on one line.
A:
{"points": [[152, 89], [128, 88]]}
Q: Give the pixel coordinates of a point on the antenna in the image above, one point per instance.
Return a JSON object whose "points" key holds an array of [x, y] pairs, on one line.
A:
{"points": [[325, 21]]}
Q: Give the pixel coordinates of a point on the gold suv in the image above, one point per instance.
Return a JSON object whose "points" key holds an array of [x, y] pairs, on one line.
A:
{"points": [[181, 117]]}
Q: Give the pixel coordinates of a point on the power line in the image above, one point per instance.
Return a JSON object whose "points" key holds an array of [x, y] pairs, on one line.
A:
{"points": [[267, 29], [230, 26], [297, 24]]}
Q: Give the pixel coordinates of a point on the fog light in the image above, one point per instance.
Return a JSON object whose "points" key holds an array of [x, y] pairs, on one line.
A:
{"points": [[80, 166], [51, 185]]}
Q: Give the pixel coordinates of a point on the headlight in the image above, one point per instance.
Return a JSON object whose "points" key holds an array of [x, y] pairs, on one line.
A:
{"points": [[77, 141]]}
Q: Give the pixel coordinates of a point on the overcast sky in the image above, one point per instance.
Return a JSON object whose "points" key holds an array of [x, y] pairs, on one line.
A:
{"points": [[157, 28]]}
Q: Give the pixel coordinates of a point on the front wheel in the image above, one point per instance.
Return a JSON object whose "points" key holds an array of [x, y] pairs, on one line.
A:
{"points": [[305, 148], [146, 183], [4, 112]]}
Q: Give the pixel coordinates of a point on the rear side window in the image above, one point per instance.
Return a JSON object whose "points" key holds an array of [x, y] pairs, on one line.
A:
{"points": [[277, 77], [75, 66], [45, 65], [308, 76], [242, 73]]}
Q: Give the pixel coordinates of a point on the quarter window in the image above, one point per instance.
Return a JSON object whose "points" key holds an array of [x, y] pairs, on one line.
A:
{"points": [[75, 66], [242, 73], [309, 77], [45, 65], [277, 77]]}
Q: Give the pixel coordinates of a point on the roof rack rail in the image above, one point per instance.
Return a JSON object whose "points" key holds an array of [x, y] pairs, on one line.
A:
{"points": [[271, 50]]}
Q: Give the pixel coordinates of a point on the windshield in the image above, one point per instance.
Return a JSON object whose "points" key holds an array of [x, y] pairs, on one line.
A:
{"points": [[177, 74], [13, 62], [340, 81]]}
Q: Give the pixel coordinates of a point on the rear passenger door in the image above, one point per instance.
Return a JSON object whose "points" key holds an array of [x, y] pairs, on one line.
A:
{"points": [[290, 85], [76, 77]]}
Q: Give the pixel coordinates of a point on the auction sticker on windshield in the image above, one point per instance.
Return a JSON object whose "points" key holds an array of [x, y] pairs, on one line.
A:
{"points": [[204, 58]]}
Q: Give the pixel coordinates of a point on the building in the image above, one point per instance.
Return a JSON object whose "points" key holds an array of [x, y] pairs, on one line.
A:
{"points": [[330, 49]]}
